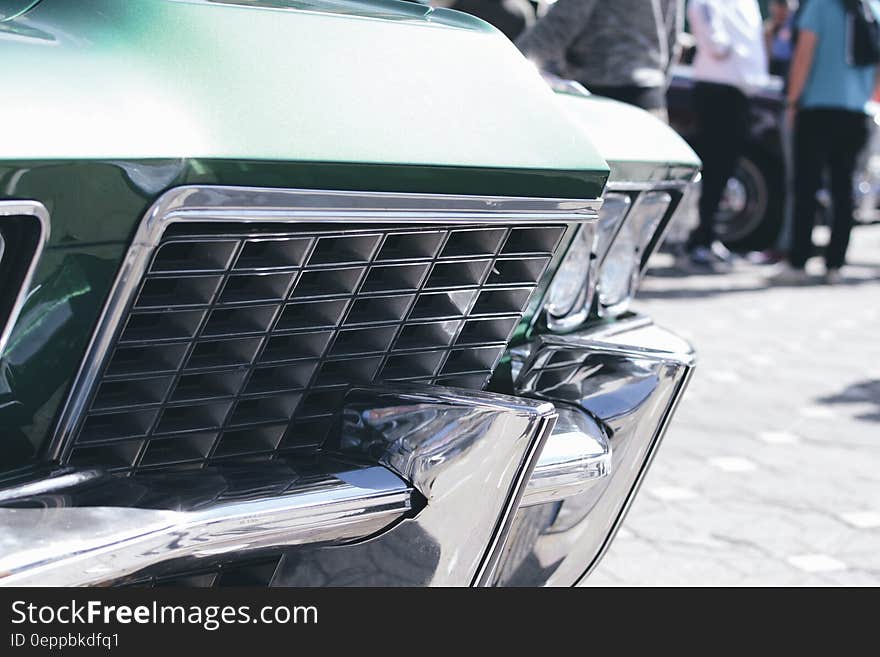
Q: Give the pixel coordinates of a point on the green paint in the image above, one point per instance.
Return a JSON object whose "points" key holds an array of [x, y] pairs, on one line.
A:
{"points": [[48, 343], [103, 201], [636, 145], [359, 83]]}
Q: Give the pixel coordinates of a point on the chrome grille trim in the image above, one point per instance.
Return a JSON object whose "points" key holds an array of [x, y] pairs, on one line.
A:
{"points": [[679, 189], [40, 215], [264, 206], [102, 528]]}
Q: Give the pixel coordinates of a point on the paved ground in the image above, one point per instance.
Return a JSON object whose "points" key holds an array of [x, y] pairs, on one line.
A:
{"points": [[770, 473]]}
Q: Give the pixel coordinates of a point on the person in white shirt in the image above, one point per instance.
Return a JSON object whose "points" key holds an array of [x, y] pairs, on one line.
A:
{"points": [[730, 60]]}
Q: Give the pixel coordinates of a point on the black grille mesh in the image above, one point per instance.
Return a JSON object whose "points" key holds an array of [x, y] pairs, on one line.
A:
{"points": [[243, 345]]}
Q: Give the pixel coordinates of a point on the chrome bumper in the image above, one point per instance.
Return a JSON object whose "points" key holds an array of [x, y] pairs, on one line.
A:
{"points": [[421, 486], [630, 377]]}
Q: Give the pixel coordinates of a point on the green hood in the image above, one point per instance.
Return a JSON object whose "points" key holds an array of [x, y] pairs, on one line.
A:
{"points": [[637, 146], [345, 82]]}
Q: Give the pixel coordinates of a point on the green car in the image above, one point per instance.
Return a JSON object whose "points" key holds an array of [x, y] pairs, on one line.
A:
{"points": [[318, 292]]}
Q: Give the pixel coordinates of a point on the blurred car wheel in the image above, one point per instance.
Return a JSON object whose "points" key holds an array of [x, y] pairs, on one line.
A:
{"points": [[750, 215]]}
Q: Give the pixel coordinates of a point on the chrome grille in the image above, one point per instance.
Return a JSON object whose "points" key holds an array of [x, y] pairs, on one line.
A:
{"points": [[24, 228], [244, 344]]}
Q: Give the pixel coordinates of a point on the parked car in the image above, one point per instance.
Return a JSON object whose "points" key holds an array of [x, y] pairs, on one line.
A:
{"points": [[753, 206], [319, 294]]}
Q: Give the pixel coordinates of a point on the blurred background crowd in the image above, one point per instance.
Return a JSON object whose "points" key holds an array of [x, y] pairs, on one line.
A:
{"points": [[776, 96]]}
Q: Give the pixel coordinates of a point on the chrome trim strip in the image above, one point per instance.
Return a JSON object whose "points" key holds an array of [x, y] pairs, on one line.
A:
{"points": [[38, 211], [685, 189], [540, 435], [259, 205], [574, 457], [608, 342], [54, 483], [293, 204], [90, 545], [649, 185], [646, 464], [631, 381]]}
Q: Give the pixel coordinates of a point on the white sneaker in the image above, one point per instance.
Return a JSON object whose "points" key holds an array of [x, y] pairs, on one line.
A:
{"points": [[721, 252], [785, 274]]}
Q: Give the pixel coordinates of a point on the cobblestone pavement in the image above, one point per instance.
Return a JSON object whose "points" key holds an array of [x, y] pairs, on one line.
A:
{"points": [[770, 472]]}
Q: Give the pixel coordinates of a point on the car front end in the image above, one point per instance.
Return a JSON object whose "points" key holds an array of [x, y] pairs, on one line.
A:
{"points": [[283, 314]]}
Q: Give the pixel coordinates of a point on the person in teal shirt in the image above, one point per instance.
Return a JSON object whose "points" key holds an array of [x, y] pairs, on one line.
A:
{"points": [[827, 99], [832, 81]]}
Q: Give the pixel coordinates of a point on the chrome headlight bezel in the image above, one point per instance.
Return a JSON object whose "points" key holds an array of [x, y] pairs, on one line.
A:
{"points": [[648, 235], [633, 221], [573, 282], [24, 231], [622, 268]]}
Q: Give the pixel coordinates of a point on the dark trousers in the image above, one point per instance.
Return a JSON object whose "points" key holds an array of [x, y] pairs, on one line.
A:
{"points": [[722, 114], [825, 138]]}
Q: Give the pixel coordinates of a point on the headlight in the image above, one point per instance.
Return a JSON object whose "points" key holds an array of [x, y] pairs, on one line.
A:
{"points": [[608, 258], [614, 209], [647, 215], [570, 294], [617, 277], [621, 268]]}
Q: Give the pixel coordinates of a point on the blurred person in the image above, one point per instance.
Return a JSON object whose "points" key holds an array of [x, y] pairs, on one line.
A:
{"points": [[779, 36], [511, 17], [832, 78], [730, 60], [621, 49]]}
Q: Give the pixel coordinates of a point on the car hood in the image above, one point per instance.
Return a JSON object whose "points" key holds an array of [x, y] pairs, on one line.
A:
{"points": [[637, 146], [378, 82]]}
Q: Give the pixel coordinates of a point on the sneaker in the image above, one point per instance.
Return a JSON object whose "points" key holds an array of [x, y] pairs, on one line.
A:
{"points": [[833, 276], [702, 258], [721, 253], [785, 274]]}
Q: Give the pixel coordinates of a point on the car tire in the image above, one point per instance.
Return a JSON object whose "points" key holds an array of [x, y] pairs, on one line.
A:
{"points": [[753, 205]]}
